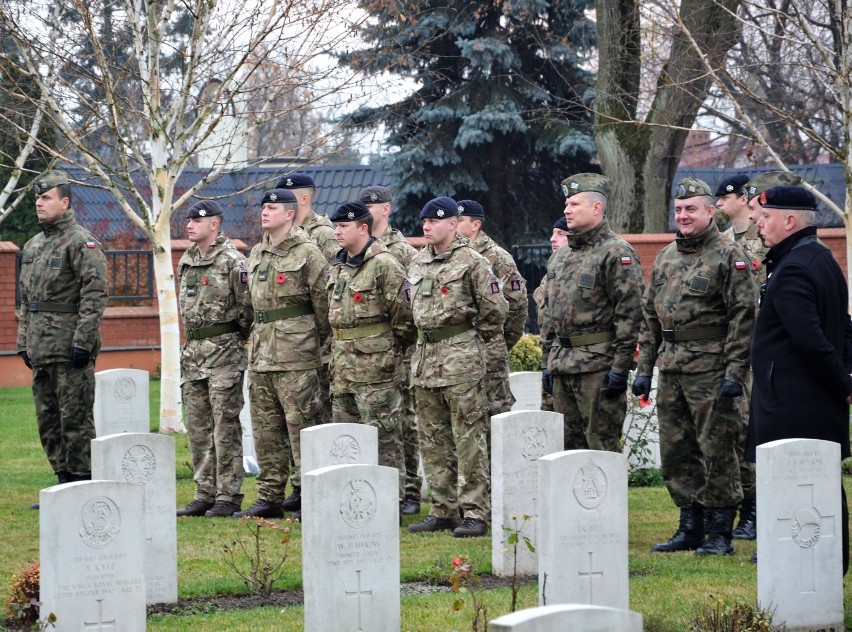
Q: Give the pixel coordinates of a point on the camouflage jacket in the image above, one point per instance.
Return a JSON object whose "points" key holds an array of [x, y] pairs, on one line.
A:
{"points": [[699, 283], [751, 242], [453, 288], [398, 246], [368, 290], [515, 291], [321, 231], [288, 274], [213, 289], [63, 265], [593, 286]]}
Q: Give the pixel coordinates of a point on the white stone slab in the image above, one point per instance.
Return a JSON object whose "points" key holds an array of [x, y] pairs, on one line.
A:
{"points": [[518, 439], [526, 387], [573, 617], [339, 444], [642, 429], [799, 559], [147, 459], [250, 465], [582, 529], [350, 548], [121, 402], [91, 538]]}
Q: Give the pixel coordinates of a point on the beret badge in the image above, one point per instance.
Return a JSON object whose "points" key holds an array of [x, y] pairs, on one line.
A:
{"points": [[440, 212]]}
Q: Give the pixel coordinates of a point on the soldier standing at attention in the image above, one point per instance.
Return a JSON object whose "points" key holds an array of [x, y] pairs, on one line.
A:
{"points": [[370, 317], [378, 199], [592, 316], [63, 289], [558, 238], [215, 307], [699, 316], [458, 307], [287, 276], [471, 220]]}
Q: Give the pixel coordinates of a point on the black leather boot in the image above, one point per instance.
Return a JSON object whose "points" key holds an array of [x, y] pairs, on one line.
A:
{"points": [[719, 539], [689, 534], [293, 502], [747, 526]]}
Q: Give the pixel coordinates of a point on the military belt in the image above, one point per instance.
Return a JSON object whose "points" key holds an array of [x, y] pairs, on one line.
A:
{"points": [[68, 308], [586, 339], [200, 333], [351, 333], [442, 333], [282, 313], [701, 333]]}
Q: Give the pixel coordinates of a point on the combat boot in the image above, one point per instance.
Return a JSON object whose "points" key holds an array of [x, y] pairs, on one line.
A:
{"points": [[471, 528], [262, 509], [222, 509], [409, 507], [195, 508], [747, 526], [433, 523], [293, 502], [719, 539], [689, 534]]}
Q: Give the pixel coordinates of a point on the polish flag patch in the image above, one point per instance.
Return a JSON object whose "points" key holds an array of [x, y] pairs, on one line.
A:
{"points": [[91, 244], [740, 265], [626, 261]]}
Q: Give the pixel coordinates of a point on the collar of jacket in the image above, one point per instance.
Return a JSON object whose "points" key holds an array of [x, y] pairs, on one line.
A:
{"points": [[60, 223], [697, 242], [343, 257], [578, 241], [295, 236], [482, 243], [458, 242], [214, 249], [778, 251]]}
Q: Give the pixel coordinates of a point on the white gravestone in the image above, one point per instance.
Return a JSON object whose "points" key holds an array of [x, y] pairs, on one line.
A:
{"points": [[250, 465], [642, 429], [582, 529], [147, 459], [92, 563], [518, 439], [339, 444], [799, 548], [350, 548], [121, 402], [573, 617], [526, 388]]}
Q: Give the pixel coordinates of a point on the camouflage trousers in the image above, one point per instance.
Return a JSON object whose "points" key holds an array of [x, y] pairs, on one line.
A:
{"points": [[380, 405], [698, 433], [748, 478], [546, 399], [325, 416], [64, 401], [453, 423], [212, 408], [410, 442], [282, 403], [499, 393], [591, 421]]}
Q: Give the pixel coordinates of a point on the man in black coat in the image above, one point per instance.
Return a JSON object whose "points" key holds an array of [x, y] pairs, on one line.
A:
{"points": [[801, 351]]}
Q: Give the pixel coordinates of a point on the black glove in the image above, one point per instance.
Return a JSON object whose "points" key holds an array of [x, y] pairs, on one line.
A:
{"points": [[80, 357], [547, 382], [730, 389], [642, 386], [615, 384], [26, 359]]}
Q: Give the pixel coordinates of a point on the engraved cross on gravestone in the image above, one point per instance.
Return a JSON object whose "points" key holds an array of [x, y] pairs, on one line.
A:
{"points": [[591, 575], [358, 593], [100, 624]]}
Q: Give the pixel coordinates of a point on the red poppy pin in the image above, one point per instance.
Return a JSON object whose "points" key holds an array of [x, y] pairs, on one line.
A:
{"points": [[357, 297], [281, 278], [444, 291], [203, 280], [762, 199], [755, 265]]}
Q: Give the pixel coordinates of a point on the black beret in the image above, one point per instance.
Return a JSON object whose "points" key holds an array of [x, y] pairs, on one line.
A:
{"points": [[732, 184], [296, 181], [441, 208], [278, 196], [204, 208], [471, 209], [375, 195], [349, 212], [788, 198], [561, 223]]}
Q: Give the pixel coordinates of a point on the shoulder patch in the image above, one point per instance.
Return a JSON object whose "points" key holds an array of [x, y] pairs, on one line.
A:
{"points": [[495, 285], [740, 265], [516, 282], [626, 260], [91, 244]]}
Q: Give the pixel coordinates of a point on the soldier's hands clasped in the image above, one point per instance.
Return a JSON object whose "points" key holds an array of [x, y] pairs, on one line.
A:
{"points": [[615, 384], [547, 382], [26, 359], [79, 357], [642, 386], [730, 389]]}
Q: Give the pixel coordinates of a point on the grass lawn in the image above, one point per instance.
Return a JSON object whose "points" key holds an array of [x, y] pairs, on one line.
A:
{"points": [[667, 589]]}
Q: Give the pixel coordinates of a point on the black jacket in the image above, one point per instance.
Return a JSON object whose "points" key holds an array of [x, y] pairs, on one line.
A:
{"points": [[801, 351]]}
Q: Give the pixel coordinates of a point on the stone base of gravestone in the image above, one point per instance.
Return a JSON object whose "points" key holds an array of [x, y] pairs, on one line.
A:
{"points": [[149, 460], [91, 537], [518, 439], [121, 402], [573, 617], [641, 429], [526, 388], [250, 465], [799, 561], [339, 444]]}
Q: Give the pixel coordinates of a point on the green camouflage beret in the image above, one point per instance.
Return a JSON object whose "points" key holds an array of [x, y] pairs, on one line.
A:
{"points": [[585, 182], [50, 179], [764, 181], [691, 187]]}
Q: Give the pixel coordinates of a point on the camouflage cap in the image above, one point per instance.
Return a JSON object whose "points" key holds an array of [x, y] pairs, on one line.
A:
{"points": [[585, 182], [691, 187], [763, 181], [375, 195], [50, 179]]}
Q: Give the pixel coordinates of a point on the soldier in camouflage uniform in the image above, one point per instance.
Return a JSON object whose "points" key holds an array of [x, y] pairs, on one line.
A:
{"points": [[458, 306], [699, 315], [63, 290], [514, 286], [215, 307], [370, 317], [287, 275], [558, 238], [378, 199], [591, 319]]}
